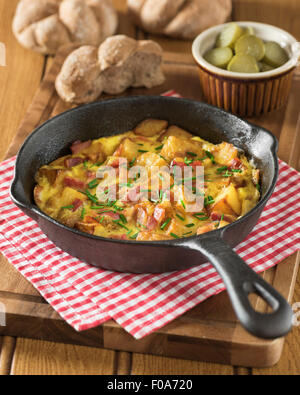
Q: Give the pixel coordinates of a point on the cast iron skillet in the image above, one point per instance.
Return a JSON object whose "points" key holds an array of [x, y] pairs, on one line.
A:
{"points": [[106, 118]]}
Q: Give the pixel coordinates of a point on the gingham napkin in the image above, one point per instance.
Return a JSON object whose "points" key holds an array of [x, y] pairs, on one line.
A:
{"points": [[86, 296]]}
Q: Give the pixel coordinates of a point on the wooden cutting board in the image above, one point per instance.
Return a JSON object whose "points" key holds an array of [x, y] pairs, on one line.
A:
{"points": [[210, 331]]}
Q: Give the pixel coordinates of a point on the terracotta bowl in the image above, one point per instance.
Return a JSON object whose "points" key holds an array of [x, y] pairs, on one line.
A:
{"points": [[243, 93]]}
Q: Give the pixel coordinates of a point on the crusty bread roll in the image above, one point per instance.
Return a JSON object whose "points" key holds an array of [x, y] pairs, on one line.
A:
{"points": [[119, 63], [179, 18], [45, 25]]}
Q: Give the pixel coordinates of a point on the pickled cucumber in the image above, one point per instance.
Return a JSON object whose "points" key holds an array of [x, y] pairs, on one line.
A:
{"points": [[219, 57], [229, 35], [275, 56], [237, 49], [248, 30], [264, 67], [243, 63], [250, 45]]}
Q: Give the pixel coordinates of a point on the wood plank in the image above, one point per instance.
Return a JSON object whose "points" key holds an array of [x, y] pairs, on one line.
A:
{"points": [[19, 80], [149, 364], [289, 362], [281, 13], [34, 357], [7, 348]]}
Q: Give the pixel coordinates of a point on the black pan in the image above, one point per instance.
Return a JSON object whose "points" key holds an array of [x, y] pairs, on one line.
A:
{"points": [[106, 118]]}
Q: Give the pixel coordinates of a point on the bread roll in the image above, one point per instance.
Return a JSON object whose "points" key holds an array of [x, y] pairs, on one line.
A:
{"points": [[45, 25], [179, 18], [119, 62]]}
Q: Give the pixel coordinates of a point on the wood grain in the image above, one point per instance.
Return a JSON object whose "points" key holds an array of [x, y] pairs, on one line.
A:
{"points": [[149, 364], [17, 86], [34, 357], [19, 80], [281, 13]]}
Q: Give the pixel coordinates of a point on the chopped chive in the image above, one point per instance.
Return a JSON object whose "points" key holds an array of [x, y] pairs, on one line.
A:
{"points": [[140, 144], [237, 170], [93, 183], [93, 198], [221, 169], [175, 236], [119, 223], [82, 213], [257, 186], [204, 157], [126, 184], [191, 154], [132, 162], [208, 200], [145, 190], [98, 164], [163, 158], [134, 236], [180, 217], [161, 177], [143, 226], [165, 224], [182, 202], [188, 161], [211, 157], [189, 225], [142, 150], [187, 233], [158, 148], [222, 217], [99, 220], [70, 207], [85, 164], [123, 218]]}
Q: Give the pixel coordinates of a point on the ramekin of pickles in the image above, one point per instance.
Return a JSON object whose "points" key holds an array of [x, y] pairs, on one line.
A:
{"points": [[238, 49], [246, 67]]}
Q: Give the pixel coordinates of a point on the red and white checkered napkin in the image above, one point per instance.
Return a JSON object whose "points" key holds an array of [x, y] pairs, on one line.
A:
{"points": [[86, 296]]}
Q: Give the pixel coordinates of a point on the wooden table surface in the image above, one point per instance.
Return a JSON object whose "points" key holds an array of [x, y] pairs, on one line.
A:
{"points": [[18, 83]]}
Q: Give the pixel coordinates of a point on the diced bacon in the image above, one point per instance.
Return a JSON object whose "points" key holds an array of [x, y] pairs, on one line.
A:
{"points": [[133, 194], [177, 163], [76, 204], [73, 183], [91, 175], [215, 216], [71, 162], [120, 237], [196, 163], [236, 164], [159, 214], [142, 216], [151, 223], [79, 146], [110, 214]]}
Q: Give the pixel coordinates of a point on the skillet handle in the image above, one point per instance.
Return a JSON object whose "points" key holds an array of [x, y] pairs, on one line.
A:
{"points": [[240, 280]]}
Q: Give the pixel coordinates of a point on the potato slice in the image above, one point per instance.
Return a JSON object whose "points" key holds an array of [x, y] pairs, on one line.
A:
{"points": [[275, 55], [219, 57], [151, 127], [175, 146], [224, 153], [229, 35], [243, 63], [69, 195], [250, 45], [228, 202], [175, 131]]}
